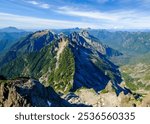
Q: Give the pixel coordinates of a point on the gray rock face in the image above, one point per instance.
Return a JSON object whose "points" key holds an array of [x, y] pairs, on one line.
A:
{"points": [[9, 97], [28, 92], [25, 92], [88, 41], [91, 63]]}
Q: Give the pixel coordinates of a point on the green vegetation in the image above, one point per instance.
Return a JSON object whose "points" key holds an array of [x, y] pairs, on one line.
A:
{"points": [[104, 67], [43, 61], [140, 80], [127, 42], [7, 39], [43, 64], [131, 86], [30, 64], [127, 77], [99, 63], [104, 91], [140, 85], [141, 58], [129, 81], [147, 77], [110, 74], [3, 81], [14, 68], [62, 78], [79, 90], [147, 88]]}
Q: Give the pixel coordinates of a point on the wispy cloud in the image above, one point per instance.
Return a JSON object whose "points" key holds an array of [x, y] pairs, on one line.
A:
{"points": [[39, 4], [66, 14], [88, 14], [45, 6], [33, 2], [29, 22], [97, 14], [111, 19]]}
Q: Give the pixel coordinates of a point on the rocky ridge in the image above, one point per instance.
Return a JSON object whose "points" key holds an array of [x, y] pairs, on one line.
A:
{"points": [[25, 92]]}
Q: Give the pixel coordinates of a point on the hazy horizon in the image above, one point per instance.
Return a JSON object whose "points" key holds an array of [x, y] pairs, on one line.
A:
{"points": [[109, 29]]}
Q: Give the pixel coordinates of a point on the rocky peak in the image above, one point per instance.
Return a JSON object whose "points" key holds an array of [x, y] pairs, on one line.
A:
{"points": [[75, 35], [34, 42], [43, 33], [85, 40], [85, 33]]}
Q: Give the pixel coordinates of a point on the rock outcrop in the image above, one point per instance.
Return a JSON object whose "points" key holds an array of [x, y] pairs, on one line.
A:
{"points": [[25, 92]]}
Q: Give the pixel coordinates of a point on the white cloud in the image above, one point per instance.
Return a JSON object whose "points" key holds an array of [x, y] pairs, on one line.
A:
{"points": [[114, 16], [33, 2], [27, 22], [45, 6], [39, 4], [88, 14], [131, 19], [118, 18]]}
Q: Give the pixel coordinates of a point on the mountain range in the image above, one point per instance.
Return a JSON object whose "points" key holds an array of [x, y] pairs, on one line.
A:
{"points": [[66, 62], [81, 66], [11, 29], [127, 42], [9, 36]]}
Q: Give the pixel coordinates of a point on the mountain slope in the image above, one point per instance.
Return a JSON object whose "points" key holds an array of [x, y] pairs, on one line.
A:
{"points": [[64, 62], [124, 41], [92, 69], [8, 37], [128, 42], [31, 43]]}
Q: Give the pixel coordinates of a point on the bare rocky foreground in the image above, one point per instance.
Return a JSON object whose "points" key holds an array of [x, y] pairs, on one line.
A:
{"points": [[107, 98], [24, 92]]}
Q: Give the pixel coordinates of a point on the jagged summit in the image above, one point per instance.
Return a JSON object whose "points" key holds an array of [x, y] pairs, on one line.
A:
{"points": [[34, 41], [84, 33], [86, 40]]}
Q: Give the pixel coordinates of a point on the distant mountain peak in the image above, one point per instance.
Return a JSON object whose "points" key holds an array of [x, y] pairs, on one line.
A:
{"points": [[11, 29], [35, 41]]}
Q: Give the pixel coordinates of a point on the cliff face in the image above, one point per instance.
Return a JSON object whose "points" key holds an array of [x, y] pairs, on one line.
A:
{"points": [[24, 92]]}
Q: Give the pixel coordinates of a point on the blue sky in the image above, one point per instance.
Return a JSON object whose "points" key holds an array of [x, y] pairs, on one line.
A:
{"points": [[108, 14]]}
